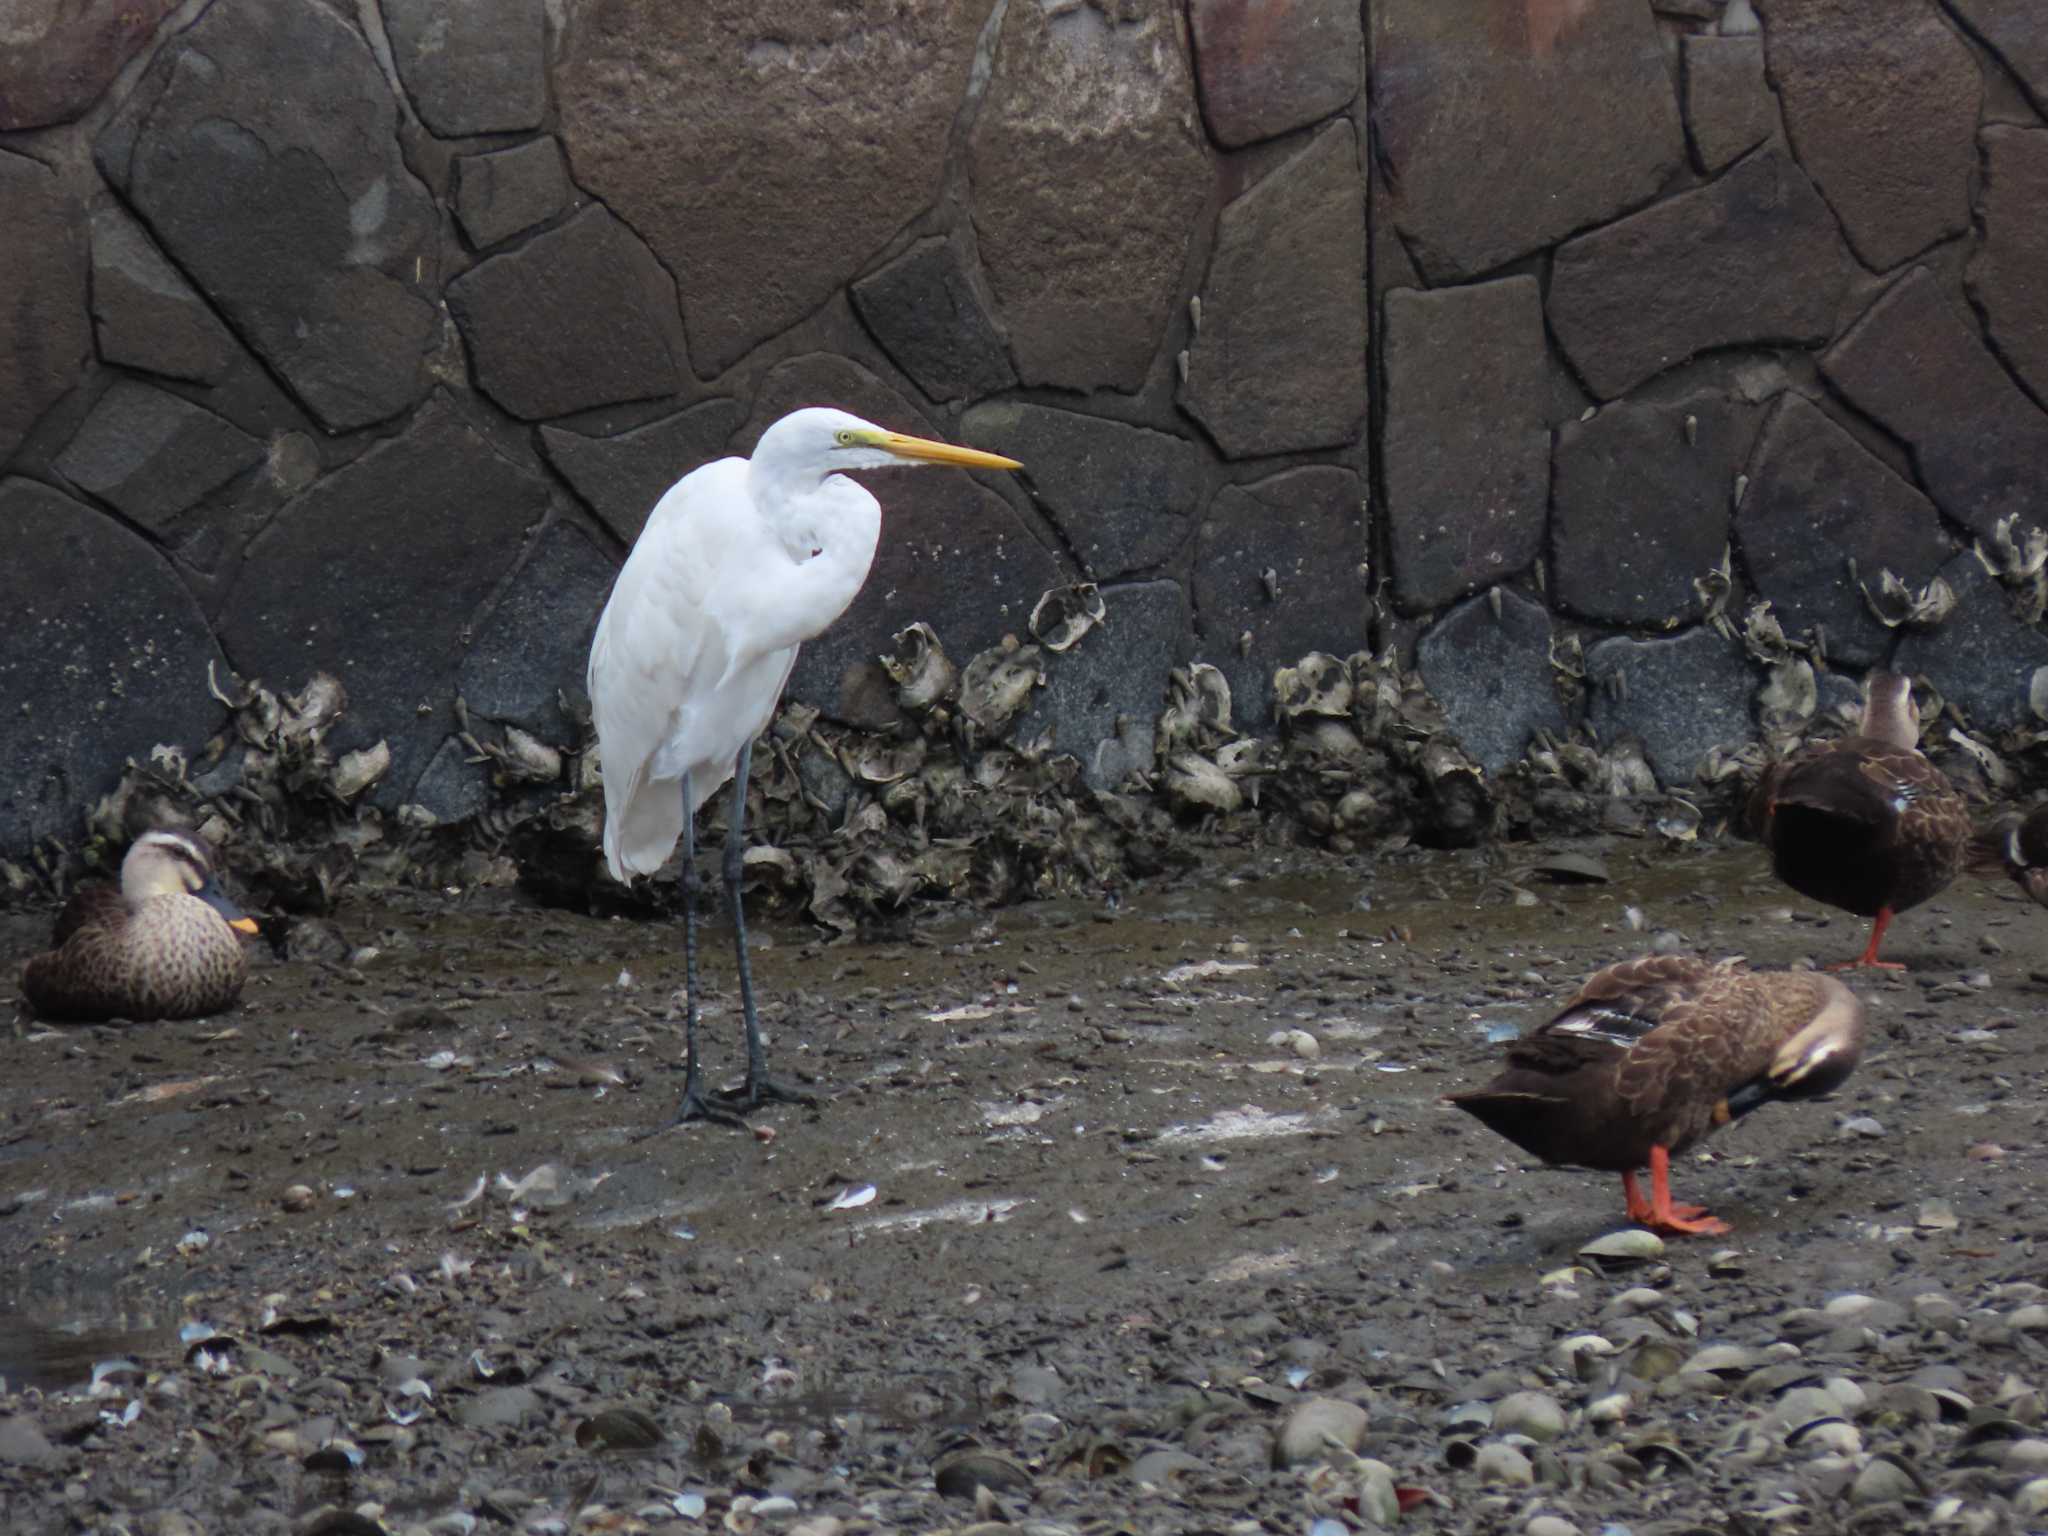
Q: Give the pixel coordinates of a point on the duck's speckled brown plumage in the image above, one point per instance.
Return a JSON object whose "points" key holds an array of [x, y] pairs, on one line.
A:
{"points": [[157, 947], [1653, 1054], [1865, 823]]}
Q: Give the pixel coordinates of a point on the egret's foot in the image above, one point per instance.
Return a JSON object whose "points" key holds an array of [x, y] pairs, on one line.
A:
{"points": [[757, 1091], [1866, 963], [696, 1107]]}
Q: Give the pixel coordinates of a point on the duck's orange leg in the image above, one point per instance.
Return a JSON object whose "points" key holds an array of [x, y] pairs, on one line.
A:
{"points": [[1658, 1213], [1868, 959]]}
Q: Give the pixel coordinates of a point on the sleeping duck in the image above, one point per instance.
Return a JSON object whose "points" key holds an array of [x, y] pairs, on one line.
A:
{"points": [[1654, 1054], [1865, 823], [161, 946]]}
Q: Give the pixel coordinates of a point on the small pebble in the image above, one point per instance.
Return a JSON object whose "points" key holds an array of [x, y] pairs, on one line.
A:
{"points": [[1550, 1525], [1312, 1424], [1498, 1463], [1535, 1414]]}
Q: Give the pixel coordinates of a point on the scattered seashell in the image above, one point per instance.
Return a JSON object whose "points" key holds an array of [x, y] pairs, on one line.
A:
{"points": [[1313, 1426]]}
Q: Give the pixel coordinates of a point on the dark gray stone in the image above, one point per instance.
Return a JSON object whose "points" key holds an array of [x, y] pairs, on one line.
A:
{"points": [[1268, 68], [765, 160], [1102, 699], [2005, 274], [1750, 258], [1980, 445], [1124, 497], [930, 311], [508, 191], [56, 59], [107, 657], [1678, 697], [1089, 173], [953, 553], [536, 643], [1502, 128], [471, 66], [1640, 503], [1729, 108], [279, 106], [1492, 676], [1307, 527], [1466, 444], [1816, 500], [376, 573], [2013, 30], [144, 312], [1278, 364], [577, 317], [1881, 98], [622, 477], [45, 338], [1984, 658], [152, 455], [451, 788]]}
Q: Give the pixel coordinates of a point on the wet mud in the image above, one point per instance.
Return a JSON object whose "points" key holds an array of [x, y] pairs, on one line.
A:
{"points": [[1096, 1198]]}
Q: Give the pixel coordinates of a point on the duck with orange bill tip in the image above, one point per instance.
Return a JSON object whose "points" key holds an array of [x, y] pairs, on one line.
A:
{"points": [[161, 945]]}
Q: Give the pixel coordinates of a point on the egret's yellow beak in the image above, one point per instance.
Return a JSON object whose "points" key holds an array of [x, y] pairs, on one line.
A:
{"points": [[926, 451]]}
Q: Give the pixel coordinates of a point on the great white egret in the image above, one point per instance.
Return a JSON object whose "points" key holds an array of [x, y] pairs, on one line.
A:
{"points": [[741, 561]]}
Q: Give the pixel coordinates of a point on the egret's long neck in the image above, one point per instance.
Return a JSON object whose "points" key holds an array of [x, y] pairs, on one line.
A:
{"points": [[830, 528]]}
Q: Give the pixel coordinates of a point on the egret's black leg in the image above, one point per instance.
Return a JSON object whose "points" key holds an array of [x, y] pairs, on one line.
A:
{"points": [[760, 1088], [694, 1105]]}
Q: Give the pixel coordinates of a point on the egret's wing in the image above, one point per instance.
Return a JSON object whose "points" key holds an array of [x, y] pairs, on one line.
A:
{"points": [[658, 648]]}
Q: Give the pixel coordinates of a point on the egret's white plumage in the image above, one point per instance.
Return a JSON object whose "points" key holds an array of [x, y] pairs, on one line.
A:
{"points": [[740, 562]]}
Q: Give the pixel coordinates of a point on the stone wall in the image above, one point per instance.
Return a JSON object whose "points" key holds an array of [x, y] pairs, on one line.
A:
{"points": [[1538, 340]]}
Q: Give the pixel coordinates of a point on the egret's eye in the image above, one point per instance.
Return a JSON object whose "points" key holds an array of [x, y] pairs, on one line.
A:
{"points": [[844, 437]]}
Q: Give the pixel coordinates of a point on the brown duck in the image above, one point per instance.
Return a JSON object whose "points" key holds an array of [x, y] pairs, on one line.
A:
{"points": [[1865, 823], [2020, 845], [160, 946], [1656, 1053]]}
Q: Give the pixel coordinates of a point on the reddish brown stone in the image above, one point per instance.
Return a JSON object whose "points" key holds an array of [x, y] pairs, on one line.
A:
{"points": [[45, 334], [1089, 173], [1268, 66], [1881, 99], [2006, 275], [58, 56]]}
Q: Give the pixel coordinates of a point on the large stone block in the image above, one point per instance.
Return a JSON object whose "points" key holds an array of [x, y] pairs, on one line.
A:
{"points": [[623, 476], [151, 454], [1280, 571], [262, 149], [1268, 66], [1466, 445], [45, 336], [377, 573], [471, 66], [1752, 257], [1640, 503], [508, 191], [1102, 699], [580, 316], [1124, 497], [2012, 28], [535, 644], [765, 151], [1679, 697], [1816, 502], [2007, 270], [1729, 108], [930, 310], [144, 312], [1492, 675], [953, 553], [1881, 98], [106, 657], [1984, 658], [1278, 364], [1916, 365], [1504, 127], [56, 59], [1088, 173]]}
